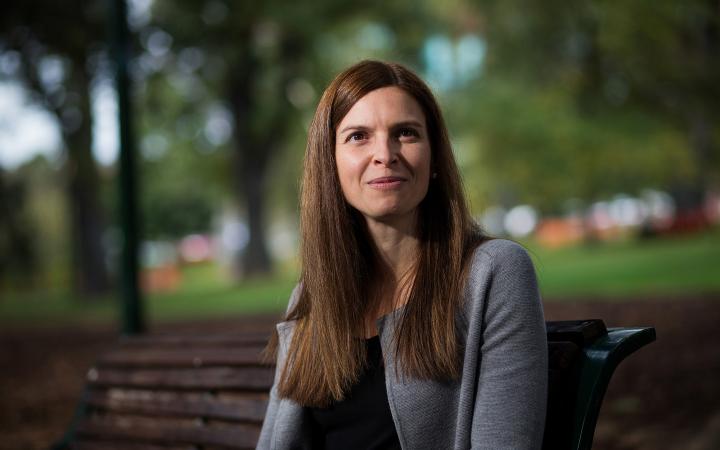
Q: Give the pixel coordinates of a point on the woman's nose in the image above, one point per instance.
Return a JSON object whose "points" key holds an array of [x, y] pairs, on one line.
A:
{"points": [[385, 152]]}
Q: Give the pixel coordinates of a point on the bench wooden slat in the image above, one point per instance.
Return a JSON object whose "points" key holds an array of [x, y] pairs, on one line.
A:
{"points": [[94, 444], [213, 378], [200, 357], [239, 436], [581, 332], [241, 410]]}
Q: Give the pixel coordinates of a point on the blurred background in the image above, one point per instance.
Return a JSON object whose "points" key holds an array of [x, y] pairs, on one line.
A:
{"points": [[589, 132]]}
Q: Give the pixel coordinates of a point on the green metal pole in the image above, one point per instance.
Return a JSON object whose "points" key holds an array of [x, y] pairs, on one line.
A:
{"points": [[133, 321]]}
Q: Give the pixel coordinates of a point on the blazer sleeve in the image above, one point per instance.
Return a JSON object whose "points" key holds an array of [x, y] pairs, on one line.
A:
{"points": [[512, 378], [265, 440], [268, 427]]}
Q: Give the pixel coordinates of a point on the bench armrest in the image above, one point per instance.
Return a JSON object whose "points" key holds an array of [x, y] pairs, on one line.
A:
{"points": [[600, 359]]}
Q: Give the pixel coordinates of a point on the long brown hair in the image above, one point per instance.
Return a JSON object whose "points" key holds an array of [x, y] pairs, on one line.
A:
{"points": [[325, 356]]}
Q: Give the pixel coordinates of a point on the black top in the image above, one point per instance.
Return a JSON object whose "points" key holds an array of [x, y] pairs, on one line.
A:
{"points": [[362, 420]]}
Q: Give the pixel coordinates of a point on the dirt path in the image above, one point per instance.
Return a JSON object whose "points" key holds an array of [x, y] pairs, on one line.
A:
{"points": [[665, 397]]}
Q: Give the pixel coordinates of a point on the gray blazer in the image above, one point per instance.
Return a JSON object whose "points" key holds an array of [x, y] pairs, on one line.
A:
{"points": [[499, 400]]}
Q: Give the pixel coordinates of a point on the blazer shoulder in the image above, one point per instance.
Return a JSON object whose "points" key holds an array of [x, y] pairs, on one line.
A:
{"points": [[497, 253], [495, 260]]}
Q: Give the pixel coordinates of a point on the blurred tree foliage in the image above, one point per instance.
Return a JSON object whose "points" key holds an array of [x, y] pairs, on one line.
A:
{"points": [[18, 254], [592, 98], [33, 230], [580, 100], [59, 46], [180, 194]]}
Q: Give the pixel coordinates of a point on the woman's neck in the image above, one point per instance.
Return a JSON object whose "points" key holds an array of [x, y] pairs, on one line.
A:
{"points": [[396, 244]]}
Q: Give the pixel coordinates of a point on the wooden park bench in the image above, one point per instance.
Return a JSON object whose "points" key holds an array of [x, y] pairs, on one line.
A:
{"points": [[210, 392]]}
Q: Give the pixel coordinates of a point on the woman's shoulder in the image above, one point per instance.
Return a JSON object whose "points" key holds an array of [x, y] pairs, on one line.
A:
{"points": [[501, 276], [500, 263], [498, 254]]}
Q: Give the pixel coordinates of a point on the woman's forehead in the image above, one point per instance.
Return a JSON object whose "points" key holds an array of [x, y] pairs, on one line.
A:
{"points": [[385, 105]]}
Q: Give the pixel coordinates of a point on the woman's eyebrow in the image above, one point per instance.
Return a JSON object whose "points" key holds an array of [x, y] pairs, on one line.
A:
{"points": [[353, 128], [404, 123], [408, 123]]}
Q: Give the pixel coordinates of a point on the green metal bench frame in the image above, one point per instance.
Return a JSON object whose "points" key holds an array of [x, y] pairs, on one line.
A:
{"points": [[588, 357], [599, 362]]}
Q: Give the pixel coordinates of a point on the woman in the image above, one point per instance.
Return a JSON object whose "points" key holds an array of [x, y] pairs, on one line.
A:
{"points": [[409, 328]]}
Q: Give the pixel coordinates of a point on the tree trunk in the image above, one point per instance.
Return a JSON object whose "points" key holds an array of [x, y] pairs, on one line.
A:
{"points": [[256, 144], [701, 140], [255, 259], [250, 166], [90, 275]]}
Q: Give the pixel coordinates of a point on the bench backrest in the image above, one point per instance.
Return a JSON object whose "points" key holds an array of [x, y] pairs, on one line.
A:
{"points": [[208, 392]]}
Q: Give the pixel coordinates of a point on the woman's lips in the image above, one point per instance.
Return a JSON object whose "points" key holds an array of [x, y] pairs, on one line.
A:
{"points": [[386, 182]]}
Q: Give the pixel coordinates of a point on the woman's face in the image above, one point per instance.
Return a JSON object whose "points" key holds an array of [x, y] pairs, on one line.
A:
{"points": [[382, 152]]}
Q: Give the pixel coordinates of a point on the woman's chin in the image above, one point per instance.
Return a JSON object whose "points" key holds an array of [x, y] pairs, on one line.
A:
{"points": [[390, 216]]}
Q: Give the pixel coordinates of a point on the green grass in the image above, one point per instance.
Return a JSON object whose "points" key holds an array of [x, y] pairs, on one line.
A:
{"points": [[203, 293], [682, 265], [669, 266]]}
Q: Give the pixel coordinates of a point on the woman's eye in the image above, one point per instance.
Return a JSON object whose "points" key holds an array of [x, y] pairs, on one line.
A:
{"points": [[408, 133], [358, 136]]}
